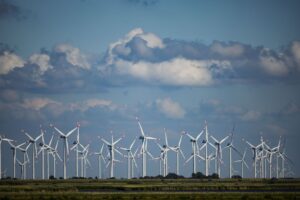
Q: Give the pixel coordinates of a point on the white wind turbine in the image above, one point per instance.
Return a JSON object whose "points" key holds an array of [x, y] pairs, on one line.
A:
{"points": [[271, 152], [23, 169], [54, 153], [76, 144], [34, 150], [130, 158], [2, 138], [243, 162], [231, 146], [49, 149], [255, 155], [144, 149], [205, 144], [14, 149], [164, 153], [112, 149], [66, 145], [25, 159], [219, 152], [178, 150], [100, 156], [195, 148]]}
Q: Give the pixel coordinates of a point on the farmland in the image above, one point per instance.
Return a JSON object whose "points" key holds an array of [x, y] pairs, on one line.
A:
{"points": [[151, 188]]}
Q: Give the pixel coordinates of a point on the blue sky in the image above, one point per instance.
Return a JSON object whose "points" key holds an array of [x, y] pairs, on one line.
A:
{"points": [[174, 64]]}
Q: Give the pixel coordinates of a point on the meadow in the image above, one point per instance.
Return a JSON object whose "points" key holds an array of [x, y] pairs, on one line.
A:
{"points": [[151, 189]]}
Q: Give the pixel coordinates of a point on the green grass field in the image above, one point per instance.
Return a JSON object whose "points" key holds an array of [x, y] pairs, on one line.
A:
{"points": [[150, 189]]}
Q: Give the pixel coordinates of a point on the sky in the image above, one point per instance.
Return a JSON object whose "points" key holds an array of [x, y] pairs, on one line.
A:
{"points": [[173, 64]]}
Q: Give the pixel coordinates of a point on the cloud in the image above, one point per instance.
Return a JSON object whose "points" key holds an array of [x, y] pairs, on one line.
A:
{"points": [[37, 103], [9, 95], [73, 55], [9, 61], [170, 108], [41, 60], [9, 10], [274, 66], [176, 72], [251, 115], [227, 50]]}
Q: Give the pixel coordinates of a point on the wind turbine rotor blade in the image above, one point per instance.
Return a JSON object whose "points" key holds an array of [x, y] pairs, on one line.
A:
{"points": [[150, 138], [117, 141], [191, 137], [198, 136], [166, 138], [179, 143], [237, 151], [181, 153], [28, 136], [119, 152], [216, 141], [61, 133], [224, 139], [58, 156], [107, 143], [132, 144], [141, 128], [190, 158], [70, 132], [150, 154], [245, 164]]}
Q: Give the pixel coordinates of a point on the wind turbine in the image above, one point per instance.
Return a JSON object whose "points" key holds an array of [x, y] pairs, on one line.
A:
{"points": [[54, 153], [2, 138], [76, 143], [34, 150], [112, 150], [144, 149], [243, 162], [129, 159], [49, 149], [271, 152], [230, 146], [25, 159], [195, 150], [100, 156], [219, 152], [255, 155], [178, 150], [14, 149], [66, 145], [22, 166], [164, 153]]}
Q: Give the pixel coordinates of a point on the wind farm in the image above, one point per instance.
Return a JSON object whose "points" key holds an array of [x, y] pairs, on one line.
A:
{"points": [[149, 99], [259, 162]]}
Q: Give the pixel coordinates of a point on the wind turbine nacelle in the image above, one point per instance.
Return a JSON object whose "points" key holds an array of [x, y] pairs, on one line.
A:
{"points": [[62, 137], [41, 144], [260, 148], [164, 146], [216, 143], [203, 141], [75, 142], [192, 140], [141, 137]]}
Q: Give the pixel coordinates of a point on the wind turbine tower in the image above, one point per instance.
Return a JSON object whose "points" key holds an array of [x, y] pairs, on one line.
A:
{"points": [[64, 137]]}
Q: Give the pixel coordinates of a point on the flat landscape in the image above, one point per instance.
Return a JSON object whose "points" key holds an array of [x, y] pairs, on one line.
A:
{"points": [[151, 188]]}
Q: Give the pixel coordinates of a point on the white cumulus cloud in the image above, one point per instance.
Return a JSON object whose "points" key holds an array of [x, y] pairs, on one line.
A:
{"points": [[9, 61], [234, 50], [170, 108], [41, 60], [73, 55], [177, 72]]}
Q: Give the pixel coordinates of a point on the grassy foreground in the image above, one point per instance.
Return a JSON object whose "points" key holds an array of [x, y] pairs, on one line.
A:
{"points": [[150, 189]]}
